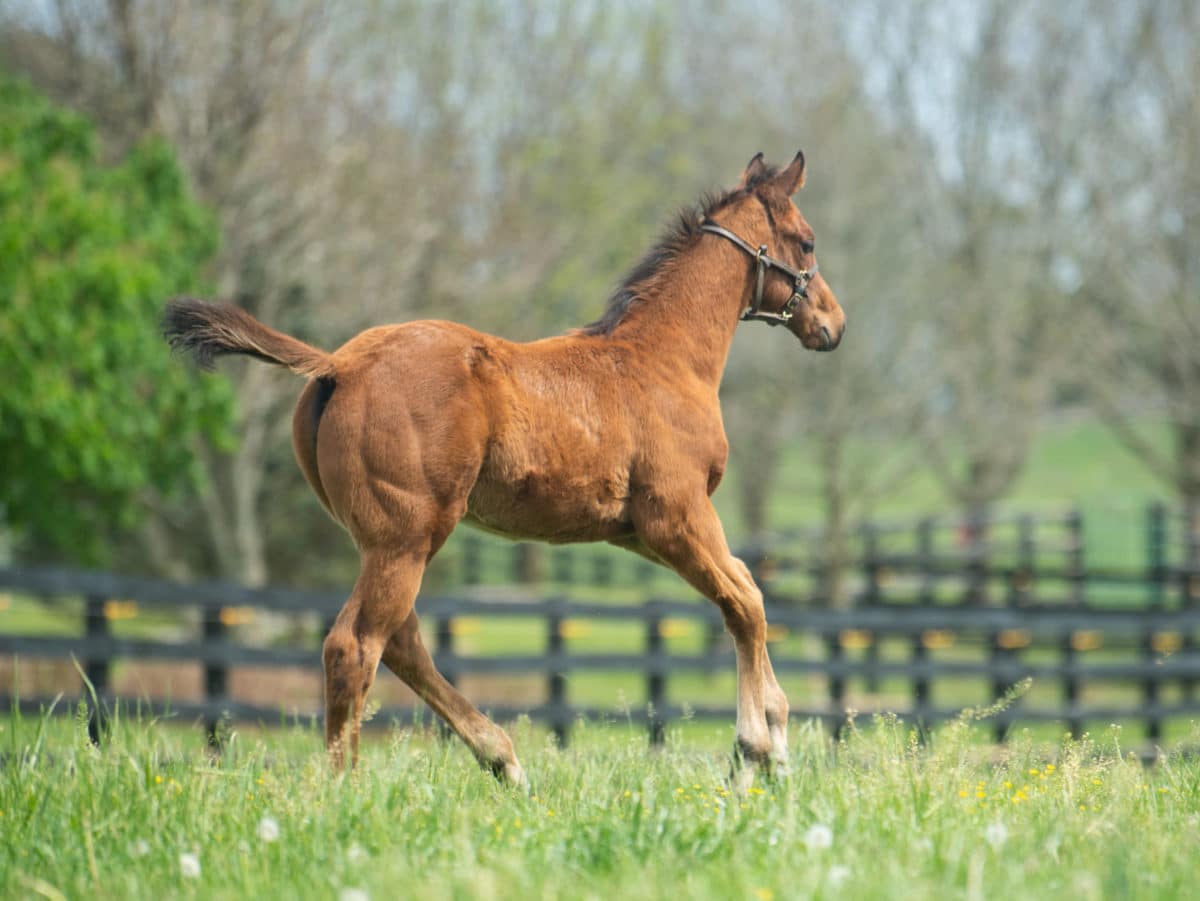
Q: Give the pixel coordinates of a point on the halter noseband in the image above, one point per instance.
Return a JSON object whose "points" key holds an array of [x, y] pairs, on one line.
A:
{"points": [[800, 278]]}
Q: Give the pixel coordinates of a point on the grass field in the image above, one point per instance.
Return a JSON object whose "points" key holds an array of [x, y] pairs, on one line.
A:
{"points": [[875, 815]]}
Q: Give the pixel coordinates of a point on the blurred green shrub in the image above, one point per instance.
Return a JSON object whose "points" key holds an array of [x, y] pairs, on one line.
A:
{"points": [[96, 419]]}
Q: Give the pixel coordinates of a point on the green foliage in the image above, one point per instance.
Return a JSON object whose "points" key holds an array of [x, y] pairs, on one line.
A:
{"points": [[94, 414], [875, 816]]}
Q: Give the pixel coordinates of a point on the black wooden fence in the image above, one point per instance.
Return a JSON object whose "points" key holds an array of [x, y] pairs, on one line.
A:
{"points": [[932, 615]]}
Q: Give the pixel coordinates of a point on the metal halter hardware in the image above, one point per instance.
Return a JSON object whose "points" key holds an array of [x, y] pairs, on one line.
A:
{"points": [[800, 278]]}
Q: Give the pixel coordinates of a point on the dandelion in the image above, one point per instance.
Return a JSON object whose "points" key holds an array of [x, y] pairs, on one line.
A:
{"points": [[140, 848], [996, 834], [818, 837], [353, 894], [189, 866], [1052, 845], [764, 894], [268, 829], [355, 853], [838, 874]]}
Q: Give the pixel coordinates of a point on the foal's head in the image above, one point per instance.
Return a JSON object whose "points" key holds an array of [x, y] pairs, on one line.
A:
{"points": [[794, 294]]}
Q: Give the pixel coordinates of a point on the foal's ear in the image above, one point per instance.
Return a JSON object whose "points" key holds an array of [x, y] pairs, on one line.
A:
{"points": [[754, 168], [791, 179]]}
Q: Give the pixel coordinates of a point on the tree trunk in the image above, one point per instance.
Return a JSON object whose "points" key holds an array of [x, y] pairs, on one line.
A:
{"points": [[1187, 458]]}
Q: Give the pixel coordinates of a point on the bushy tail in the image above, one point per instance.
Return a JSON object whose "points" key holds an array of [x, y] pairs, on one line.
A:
{"points": [[209, 330]]}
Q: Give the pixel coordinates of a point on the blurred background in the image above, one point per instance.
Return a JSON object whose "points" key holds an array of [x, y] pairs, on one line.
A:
{"points": [[1006, 195]]}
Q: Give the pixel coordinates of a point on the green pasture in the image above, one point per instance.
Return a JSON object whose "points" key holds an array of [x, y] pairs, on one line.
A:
{"points": [[875, 815]]}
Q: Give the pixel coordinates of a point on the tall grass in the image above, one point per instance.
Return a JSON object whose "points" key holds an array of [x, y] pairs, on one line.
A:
{"points": [[875, 814]]}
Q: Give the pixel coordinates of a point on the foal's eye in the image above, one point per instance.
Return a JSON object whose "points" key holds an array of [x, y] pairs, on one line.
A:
{"points": [[807, 246]]}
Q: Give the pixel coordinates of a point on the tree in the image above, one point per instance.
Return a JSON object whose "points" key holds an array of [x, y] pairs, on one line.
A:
{"points": [[94, 413], [1141, 274], [994, 197]]}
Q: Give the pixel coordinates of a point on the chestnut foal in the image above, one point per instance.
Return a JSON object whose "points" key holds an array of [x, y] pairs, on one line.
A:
{"points": [[611, 433]]}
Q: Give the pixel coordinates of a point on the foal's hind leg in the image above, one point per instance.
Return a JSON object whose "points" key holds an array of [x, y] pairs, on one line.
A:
{"points": [[382, 598], [407, 657], [689, 538]]}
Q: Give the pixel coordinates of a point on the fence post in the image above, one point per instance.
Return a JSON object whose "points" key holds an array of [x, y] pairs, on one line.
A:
{"points": [[1189, 584], [95, 625], [1076, 558], [976, 527], [443, 649], [872, 595], [920, 654], [215, 674], [1077, 575], [1156, 554], [656, 681], [556, 681], [837, 682], [1150, 688]]}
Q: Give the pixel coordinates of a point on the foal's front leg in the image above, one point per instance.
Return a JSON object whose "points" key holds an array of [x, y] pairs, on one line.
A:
{"points": [[689, 538]]}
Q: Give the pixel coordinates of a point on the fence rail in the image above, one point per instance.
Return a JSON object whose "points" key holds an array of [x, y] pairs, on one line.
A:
{"points": [[900, 649]]}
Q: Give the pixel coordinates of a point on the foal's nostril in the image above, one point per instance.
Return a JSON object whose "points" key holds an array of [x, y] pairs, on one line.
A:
{"points": [[827, 336]]}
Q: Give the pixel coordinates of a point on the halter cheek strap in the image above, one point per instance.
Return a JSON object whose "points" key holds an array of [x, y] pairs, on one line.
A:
{"points": [[800, 278]]}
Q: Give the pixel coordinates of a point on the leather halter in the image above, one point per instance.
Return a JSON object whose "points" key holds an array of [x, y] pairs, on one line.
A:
{"points": [[800, 278]]}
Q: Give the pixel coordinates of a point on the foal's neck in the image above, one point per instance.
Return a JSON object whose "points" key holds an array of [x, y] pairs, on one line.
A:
{"points": [[691, 309]]}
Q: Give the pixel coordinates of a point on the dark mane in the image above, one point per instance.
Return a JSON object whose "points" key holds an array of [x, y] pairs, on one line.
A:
{"points": [[678, 238]]}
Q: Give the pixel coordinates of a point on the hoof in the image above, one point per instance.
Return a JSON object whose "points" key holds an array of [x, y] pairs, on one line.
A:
{"points": [[509, 772], [747, 760]]}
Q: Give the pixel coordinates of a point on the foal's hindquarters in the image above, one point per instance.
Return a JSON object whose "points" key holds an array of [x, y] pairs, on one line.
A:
{"points": [[392, 451]]}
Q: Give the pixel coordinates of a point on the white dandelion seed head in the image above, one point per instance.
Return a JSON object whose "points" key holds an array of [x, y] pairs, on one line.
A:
{"points": [[356, 854], [268, 829], [1053, 843], [140, 848], [923, 844], [818, 837], [189, 866], [353, 894], [996, 834], [838, 873]]}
